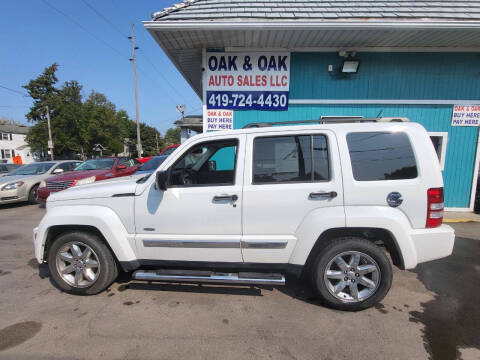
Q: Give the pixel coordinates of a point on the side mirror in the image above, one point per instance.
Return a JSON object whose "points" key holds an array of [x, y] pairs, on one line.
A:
{"points": [[57, 171], [161, 180], [121, 167], [212, 165]]}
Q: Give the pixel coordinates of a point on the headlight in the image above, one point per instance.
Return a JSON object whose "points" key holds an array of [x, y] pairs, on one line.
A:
{"points": [[14, 185], [88, 180], [42, 184]]}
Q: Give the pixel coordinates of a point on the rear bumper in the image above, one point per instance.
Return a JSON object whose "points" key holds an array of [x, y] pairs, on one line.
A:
{"points": [[432, 244]]}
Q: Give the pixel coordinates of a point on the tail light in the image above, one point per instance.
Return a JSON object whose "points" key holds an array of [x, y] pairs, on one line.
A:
{"points": [[434, 207]]}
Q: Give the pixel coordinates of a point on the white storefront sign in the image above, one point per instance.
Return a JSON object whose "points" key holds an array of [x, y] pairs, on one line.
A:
{"points": [[247, 81], [217, 119], [466, 115]]}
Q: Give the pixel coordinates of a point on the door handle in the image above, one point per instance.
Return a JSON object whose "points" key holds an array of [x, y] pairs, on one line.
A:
{"points": [[233, 197], [317, 195]]}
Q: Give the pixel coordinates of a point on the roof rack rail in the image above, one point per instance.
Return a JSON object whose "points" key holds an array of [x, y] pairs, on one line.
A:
{"points": [[326, 120]]}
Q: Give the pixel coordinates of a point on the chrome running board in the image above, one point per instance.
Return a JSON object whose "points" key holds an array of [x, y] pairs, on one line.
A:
{"points": [[193, 276]]}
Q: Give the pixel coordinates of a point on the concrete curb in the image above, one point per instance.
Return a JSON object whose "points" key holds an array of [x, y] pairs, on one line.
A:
{"points": [[458, 220]]}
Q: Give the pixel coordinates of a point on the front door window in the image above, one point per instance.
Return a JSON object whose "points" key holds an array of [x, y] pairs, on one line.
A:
{"points": [[211, 163]]}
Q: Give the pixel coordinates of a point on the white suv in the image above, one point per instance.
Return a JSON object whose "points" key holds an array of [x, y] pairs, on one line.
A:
{"points": [[328, 202]]}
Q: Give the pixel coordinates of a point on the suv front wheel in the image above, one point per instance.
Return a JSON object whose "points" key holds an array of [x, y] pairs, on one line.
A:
{"points": [[80, 263], [351, 274]]}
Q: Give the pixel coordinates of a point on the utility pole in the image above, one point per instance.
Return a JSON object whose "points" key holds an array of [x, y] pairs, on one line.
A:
{"points": [[156, 138], [134, 59], [50, 142]]}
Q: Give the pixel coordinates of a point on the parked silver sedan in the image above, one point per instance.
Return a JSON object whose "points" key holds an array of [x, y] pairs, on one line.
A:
{"points": [[22, 183]]}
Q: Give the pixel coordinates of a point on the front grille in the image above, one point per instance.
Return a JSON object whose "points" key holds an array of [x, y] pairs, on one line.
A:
{"points": [[59, 185]]}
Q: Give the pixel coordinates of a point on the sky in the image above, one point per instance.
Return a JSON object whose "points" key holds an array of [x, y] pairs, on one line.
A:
{"points": [[95, 53]]}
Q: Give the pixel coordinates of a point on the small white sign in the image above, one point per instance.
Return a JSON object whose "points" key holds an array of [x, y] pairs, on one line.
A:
{"points": [[217, 119], [50, 144], [466, 115]]}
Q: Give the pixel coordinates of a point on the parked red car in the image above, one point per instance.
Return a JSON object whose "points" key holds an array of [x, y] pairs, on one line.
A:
{"points": [[86, 173], [167, 151]]}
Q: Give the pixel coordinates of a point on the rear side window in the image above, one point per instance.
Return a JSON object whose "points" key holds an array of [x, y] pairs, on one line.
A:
{"points": [[283, 159], [381, 156]]}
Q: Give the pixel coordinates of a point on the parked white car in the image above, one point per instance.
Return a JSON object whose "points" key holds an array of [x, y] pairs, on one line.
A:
{"points": [[248, 206]]}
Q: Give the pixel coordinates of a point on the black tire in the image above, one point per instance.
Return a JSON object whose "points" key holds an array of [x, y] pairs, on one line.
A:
{"points": [[32, 195], [344, 245], [108, 270]]}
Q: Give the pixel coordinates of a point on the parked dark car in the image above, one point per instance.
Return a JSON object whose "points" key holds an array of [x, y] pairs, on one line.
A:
{"points": [[88, 172], [151, 165]]}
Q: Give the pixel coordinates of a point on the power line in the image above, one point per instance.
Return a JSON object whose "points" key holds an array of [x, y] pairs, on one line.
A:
{"points": [[83, 28], [14, 91], [158, 71], [114, 27], [108, 45]]}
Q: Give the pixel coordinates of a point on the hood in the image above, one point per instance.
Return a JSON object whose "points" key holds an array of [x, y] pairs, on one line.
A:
{"points": [[101, 189], [12, 178], [77, 175]]}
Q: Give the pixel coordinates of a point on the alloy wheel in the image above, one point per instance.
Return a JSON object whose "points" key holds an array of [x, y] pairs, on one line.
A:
{"points": [[352, 276], [77, 264]]}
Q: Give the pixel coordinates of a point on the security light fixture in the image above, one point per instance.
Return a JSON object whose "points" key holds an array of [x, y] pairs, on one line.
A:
{"points": [[350, 66]]}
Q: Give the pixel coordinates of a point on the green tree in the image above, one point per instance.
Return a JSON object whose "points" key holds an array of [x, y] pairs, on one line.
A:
{"points": [[102, 123], [149, 136], [172, 136], [78, 125], [43, 92]]}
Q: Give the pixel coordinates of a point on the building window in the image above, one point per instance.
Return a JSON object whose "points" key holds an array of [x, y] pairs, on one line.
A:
{"points": [[6, 154], [5, 136], [439, 141], [381, 156]]}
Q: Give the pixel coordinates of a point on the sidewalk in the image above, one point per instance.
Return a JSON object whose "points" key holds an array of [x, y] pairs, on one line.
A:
{"points": [[460, 216]]}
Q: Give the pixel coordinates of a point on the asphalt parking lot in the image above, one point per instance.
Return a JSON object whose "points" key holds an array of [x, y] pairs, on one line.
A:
{"points": [[431, 312]]}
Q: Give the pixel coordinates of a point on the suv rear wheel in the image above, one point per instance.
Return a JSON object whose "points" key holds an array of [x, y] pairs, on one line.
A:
{"points": [[352, 274], [80, 263]]}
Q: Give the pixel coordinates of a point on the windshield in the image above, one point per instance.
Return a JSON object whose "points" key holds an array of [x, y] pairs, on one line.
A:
{"points": [[32, 169], [169, 151], [153, 163], [96, 164]]}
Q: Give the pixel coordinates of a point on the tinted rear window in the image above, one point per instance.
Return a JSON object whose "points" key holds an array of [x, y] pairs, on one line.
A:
{"points": [[282, 159], [381, 156]]}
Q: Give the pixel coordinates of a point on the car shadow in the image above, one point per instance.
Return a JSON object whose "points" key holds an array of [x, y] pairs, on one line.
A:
{"points": [[294, 287], [194, 288], [15, 205]]}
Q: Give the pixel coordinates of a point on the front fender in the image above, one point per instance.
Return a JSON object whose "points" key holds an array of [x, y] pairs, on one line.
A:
{"points": [[102, 218]]}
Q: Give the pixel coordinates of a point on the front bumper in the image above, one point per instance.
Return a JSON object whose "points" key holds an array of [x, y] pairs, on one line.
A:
{"points": [[12, 196], [37, 245], [432, 244], [42, 194]]}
